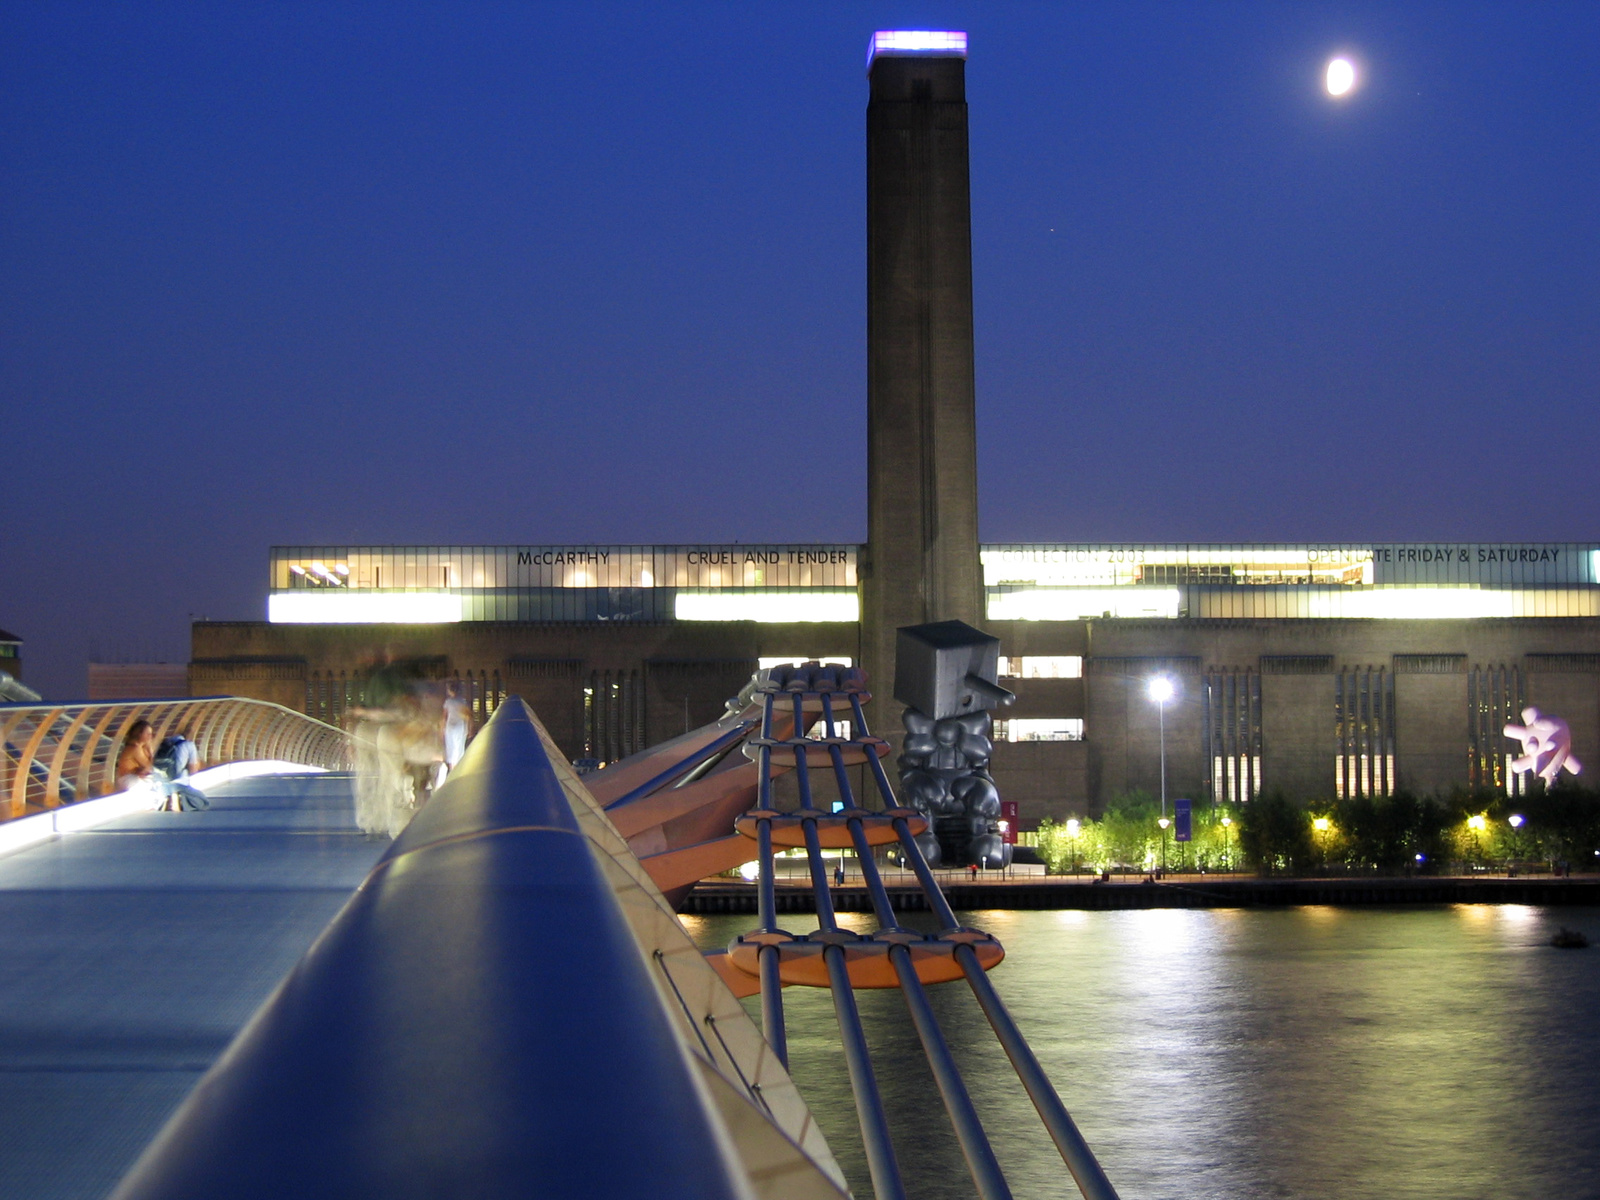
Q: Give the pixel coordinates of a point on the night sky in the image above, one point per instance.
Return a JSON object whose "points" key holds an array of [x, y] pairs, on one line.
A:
{"points": [[518, 274]]}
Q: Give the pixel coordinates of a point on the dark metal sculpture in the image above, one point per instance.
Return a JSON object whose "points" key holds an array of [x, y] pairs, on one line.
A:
{"points": [[946, 672]]}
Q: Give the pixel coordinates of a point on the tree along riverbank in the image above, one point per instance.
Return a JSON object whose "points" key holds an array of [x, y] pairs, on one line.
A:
{"points": [[1198, 891], [1462, 833]]}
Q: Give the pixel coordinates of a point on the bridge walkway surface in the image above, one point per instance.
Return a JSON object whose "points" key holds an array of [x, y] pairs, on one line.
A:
{"points": [[132, 952]]}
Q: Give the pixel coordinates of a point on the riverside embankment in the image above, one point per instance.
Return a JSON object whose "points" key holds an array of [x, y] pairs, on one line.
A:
{"points": [[1197, 891]]}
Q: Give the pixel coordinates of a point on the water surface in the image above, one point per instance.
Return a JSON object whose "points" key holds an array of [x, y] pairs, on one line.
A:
{"points": [[1419, 1054]]}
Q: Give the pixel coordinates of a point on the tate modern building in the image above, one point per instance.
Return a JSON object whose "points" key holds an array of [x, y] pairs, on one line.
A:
{"points": [[1319, 669]]}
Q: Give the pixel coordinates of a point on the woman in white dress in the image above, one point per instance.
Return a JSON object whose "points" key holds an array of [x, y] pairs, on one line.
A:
{"points": [[457, 722]]}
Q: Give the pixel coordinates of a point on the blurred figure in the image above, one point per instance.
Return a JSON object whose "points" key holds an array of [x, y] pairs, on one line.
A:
{"points": [[399, 743], [457, 723]]}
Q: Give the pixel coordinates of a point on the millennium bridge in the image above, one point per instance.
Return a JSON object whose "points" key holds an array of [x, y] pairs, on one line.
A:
{"points": [[499, 1002]]}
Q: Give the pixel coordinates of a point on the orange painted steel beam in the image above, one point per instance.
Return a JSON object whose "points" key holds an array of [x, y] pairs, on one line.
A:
{"points": [[738, 982], [617, 780], [833, 829], [691, 864], [669, 803], [801, 960]]}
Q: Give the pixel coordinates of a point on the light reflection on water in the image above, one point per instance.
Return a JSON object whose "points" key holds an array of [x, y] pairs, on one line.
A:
{"points": [[1416, 1054]]}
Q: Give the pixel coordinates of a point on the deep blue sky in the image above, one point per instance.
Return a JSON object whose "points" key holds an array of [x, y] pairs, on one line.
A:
{"points": [[490, 274]]}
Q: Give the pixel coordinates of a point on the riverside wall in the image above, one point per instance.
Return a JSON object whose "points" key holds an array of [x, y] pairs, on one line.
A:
{"points": [[723, 897]]}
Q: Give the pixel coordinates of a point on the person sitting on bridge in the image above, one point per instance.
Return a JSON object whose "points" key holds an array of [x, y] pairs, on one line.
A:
{"points": [[173, 762], [136, 760]]}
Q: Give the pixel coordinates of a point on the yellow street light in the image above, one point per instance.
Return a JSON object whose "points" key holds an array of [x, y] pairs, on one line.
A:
{"points": [[1320, 824], [1477, 824], [1227, 857], [1163, 822]]}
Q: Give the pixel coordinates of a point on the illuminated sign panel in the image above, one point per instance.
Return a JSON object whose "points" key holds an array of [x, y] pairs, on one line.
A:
{"points": [[1023, 582], [387, 568], [1306, 565]]}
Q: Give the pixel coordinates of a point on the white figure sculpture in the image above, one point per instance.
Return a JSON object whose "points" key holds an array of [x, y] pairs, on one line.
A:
{"points": [[1546, 746]]}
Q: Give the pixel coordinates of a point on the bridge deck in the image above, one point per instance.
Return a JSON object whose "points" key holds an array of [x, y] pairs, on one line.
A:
{"points": [[131, 953]]}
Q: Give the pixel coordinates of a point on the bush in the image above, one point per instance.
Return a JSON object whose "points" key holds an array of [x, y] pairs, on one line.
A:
{"points": [[1275, 833], [1375, 833], [1128, 835], [1388, 832]]}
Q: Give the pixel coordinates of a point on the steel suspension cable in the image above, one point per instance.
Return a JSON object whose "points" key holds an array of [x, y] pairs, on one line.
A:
{"points": [[1075, 1152], [769, 957], [913, 852], [882, 1164], [985, 1168], [975, 1147], [1080, 1160]]}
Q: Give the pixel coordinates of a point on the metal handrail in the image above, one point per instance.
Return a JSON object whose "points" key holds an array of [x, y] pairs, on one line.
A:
{"points": [[54, 754], [506, 1007]]}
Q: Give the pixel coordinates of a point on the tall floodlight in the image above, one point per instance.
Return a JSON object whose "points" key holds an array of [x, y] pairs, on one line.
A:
{"points": [[1161, 691]]}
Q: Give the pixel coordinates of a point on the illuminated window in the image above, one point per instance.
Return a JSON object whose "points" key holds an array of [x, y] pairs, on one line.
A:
{"points": [[1495, 697], [1232, 721], [1363, 722], [1077, 604], [769, 663], [1039, 729], [1053, 666], [841, 729], [784, 607], [362, 608], [613, 716]]}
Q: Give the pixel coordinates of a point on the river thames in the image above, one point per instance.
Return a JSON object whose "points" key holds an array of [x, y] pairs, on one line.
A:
{"points": [[1444, 1053]]}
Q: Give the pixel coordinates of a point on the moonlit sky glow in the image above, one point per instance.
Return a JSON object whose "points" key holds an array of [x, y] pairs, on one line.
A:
{"points": [[534, 273], [1341, 77]]}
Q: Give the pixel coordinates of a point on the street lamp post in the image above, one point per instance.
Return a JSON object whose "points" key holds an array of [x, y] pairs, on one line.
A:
{"points": [[1321, 825], [1515, 821], [1072, 832], [1227, 856], [1477, 824], [1163, 822], [1161, 692]]}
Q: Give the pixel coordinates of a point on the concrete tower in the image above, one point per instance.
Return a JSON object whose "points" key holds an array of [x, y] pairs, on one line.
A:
{"points": [[921, 559]]}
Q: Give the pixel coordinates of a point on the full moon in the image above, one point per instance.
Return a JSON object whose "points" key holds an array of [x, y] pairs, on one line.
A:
{"points": [[1341, 77]]}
